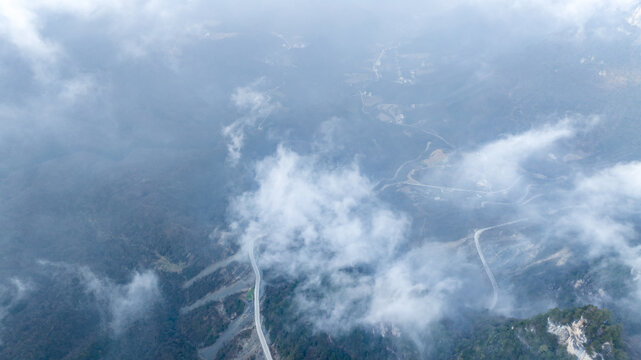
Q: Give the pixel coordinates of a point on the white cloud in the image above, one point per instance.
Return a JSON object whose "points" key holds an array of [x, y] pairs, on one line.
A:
{"points": [[121, 304], [125, 303], [603, 209], [256, 105], [324, 226], [77, 88], [139, 27], [317, 211], [21, 26], [497, 165], [599, 210], [578, 12], [11, 294], [635, 18], [555, 14], [417, 289], [23, 22]]}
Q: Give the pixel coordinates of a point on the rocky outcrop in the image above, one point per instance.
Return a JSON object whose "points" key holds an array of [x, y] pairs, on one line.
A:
{"points": [[572, 336]]}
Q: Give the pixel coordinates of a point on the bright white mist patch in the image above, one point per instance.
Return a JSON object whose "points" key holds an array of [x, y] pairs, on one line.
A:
{"points": [[255, 105], [126, 303], [324, 226]]}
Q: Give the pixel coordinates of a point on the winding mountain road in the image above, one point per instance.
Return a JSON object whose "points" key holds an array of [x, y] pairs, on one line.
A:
{"points": [[259, 327], [488, 271]]}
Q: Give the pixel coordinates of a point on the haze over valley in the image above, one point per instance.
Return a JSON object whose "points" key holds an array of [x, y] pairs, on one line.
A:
{"points": [[335, 180]]}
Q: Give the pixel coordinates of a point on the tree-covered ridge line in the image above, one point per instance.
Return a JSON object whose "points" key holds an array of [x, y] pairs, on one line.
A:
{"points": [[488, 337], [530, 338]]}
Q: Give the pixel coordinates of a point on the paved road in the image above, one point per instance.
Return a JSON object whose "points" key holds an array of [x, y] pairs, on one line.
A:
{"points": [[259, 327], [488, 271]]}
